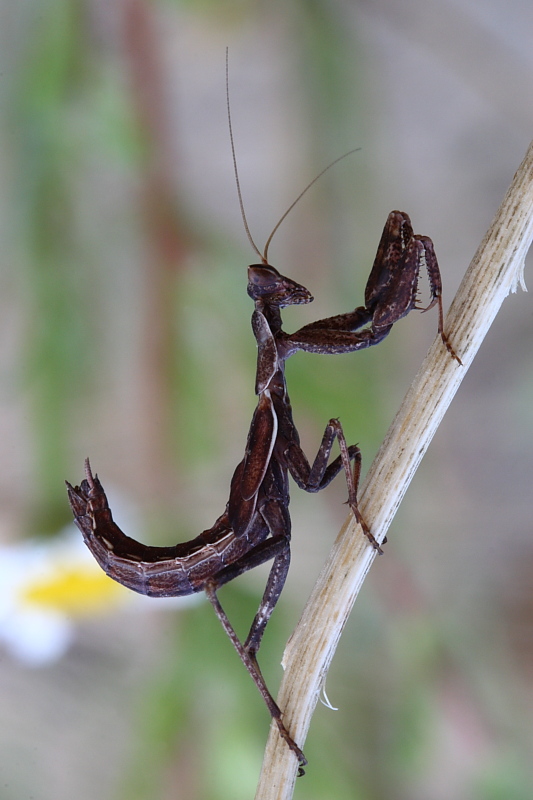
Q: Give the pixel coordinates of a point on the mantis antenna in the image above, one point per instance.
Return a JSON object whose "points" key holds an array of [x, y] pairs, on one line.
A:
{"points": [[264, 255]]}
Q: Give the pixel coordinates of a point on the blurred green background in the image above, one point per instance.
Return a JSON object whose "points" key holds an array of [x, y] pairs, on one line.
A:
{"points": [[125, 336]]}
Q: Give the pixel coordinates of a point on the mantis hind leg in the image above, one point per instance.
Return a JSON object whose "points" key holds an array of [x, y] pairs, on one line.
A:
{"points": [[247, 652]]}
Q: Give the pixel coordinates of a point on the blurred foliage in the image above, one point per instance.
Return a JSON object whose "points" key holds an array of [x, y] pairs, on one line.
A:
{"points": [[51, 80]]}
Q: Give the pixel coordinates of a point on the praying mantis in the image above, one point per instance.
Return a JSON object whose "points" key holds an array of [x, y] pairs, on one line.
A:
{"points": [[255, 526]]}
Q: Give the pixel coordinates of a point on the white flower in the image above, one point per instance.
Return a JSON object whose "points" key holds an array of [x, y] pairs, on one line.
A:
{"points": [[46, 587]]}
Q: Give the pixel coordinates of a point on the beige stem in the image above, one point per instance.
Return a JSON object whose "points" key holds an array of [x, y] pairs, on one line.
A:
{"points": [[496, 269]]}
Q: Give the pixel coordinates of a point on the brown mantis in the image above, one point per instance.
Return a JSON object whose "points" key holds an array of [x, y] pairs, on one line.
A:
{"points": [[255, 526]]}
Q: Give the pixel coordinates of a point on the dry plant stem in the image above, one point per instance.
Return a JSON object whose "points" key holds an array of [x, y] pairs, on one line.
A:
{"points": [[496, 269]]}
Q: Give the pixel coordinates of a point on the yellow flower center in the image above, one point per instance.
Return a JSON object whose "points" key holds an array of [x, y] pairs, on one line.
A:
{"points": [[77, 591]]}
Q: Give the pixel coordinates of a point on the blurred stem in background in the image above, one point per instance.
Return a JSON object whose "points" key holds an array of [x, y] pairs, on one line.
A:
{"points": [[164, 253]]}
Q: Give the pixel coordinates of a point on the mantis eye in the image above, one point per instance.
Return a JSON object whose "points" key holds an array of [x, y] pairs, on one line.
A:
{"points": [[266, 279]]}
